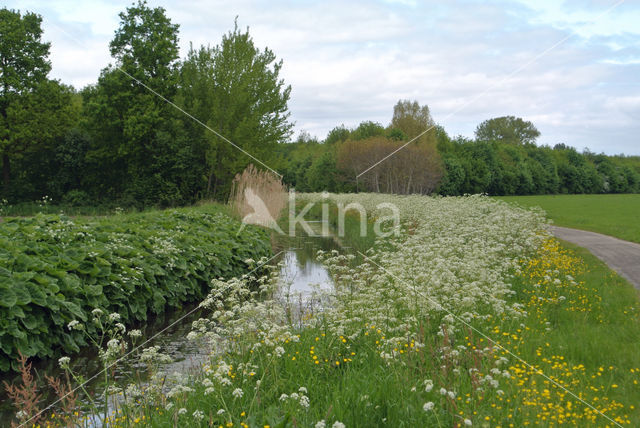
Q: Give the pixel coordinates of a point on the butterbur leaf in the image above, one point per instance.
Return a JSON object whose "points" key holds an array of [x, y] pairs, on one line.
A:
{"points": [[7, 296]]}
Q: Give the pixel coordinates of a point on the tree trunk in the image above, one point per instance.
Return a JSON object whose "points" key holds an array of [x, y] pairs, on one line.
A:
{"points": [[6, 171]]}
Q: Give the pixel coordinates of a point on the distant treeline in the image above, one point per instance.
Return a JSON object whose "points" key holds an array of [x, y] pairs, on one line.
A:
{"points": [[116, 142], [500, 165]]}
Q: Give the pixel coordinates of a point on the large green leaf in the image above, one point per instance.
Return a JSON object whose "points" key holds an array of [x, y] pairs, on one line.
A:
{"points": [[7, 296]]}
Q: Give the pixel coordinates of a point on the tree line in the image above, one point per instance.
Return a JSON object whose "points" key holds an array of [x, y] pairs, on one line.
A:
{"points": [[127, 141]]}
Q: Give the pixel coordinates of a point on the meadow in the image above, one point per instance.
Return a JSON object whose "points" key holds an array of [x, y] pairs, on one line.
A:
{"points": [[615, 215], [472, 315]]}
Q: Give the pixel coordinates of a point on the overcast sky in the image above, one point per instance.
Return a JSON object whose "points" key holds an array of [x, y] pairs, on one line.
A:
{"points": [[568, 67]]}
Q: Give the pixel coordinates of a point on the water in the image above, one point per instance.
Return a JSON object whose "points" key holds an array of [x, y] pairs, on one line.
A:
{"points": [[301, 274]]}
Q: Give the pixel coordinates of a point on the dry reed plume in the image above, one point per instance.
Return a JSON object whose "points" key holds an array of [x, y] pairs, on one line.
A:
{"points": [[258, 197]]}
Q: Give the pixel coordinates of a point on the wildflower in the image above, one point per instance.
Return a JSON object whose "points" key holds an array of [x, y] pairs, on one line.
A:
{"points": [[443, 391], [237, 393], [284, 397], [219, 412], [182, 411], [302, 390], [114, 317], [75, 325], [134, 334], [467, 422], [279, 351], [198, 415], [64, 362], [428, 406], [338, 424], [320, 424], [304, 401]]}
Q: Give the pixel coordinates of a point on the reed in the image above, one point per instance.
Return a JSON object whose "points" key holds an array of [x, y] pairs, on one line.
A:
{"points": [[258, 196]]}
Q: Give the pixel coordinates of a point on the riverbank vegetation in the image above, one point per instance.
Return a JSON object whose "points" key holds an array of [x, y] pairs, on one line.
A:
{"points": [[56, 269], [472, 316]]}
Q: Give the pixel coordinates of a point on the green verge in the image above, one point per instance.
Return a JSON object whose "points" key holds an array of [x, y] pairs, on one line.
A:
{"points": [[584, 333], [55, 269], [615, 215]]}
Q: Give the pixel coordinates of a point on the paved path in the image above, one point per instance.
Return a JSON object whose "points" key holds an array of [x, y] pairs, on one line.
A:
{"points": [[621, 256]]}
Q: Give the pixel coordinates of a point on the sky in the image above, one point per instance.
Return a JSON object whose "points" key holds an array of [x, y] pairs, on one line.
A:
{"points": [[570, 67]]}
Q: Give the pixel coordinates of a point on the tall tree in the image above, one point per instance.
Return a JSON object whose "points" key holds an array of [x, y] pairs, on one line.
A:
{"points": [[508, 129], [413, 119], [131, 126], [23, 67], [236, 90]]}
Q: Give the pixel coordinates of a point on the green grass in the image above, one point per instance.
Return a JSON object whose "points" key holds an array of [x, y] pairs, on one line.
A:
{"points": [[615, 215]]}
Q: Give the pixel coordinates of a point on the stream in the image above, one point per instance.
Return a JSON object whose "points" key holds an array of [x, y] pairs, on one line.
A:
{"points": [[301, 273]]}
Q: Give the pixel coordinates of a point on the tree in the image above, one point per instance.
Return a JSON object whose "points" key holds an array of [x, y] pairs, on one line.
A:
{"points": [[132, 128], [23, 68], [367, 129], [337, 134], [413, 120], [414, 169], [508, 129], [236, 90]]}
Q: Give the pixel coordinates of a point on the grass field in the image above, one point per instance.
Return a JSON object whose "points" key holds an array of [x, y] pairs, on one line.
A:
{"points": [[615, 215]]}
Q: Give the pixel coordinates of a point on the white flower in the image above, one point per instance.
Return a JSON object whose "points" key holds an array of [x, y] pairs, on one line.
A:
{"points": [[198, 415], [443, 391], [452, 394], [320, 424], [338, 424], [237, 393], [304, 401], [302, 390], [284, 397], [168, 406], [64, 362], [75, 325], [221, 411], [209, 390], [279, 351], [428, 385], [182, 411], [467, 422], [428, 406], [134, 334], [114, 316]]}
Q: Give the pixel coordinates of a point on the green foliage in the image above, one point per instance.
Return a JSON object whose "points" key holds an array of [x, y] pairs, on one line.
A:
{"points": [[508, 129], [367, 129], [412, 120], [54, 269], [503, 168], [337, 134], [133, 148], [236, 90]]}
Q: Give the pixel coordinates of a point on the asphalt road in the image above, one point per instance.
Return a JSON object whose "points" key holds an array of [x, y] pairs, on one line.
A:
{"points": [[621, 256]]}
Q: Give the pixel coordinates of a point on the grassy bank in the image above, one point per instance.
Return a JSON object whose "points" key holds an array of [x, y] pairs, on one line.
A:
{"points": [[470, 317], [615, 215], [55, 269]]}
